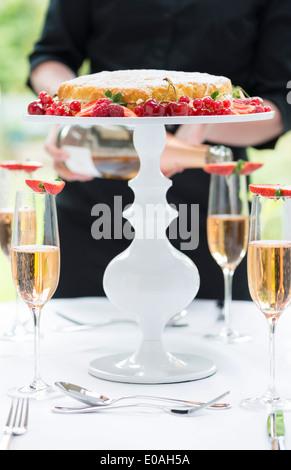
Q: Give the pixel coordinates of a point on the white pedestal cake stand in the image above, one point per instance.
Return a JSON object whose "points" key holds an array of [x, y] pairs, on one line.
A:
{"points": [[151, 280]]}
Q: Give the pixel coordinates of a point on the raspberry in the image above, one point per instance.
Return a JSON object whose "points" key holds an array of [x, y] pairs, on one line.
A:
{"points": [[258, 109], [115, 110], [104, 101], [100, 110]]}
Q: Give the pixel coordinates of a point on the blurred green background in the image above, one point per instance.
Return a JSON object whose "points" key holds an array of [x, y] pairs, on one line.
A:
{"points": [[20, 25]]}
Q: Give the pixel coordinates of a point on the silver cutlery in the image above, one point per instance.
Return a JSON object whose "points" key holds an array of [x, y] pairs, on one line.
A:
{"points": [[79, 326], [16, 423], [276, 429], [181, 411], [92, 398]]}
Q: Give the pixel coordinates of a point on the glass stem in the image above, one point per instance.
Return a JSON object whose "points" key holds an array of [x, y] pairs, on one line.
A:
{"points": [[36, 311], [272, 322], [228, 277]]}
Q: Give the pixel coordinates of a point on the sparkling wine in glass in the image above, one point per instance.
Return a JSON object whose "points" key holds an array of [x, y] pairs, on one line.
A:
{"points": [[227, 236], [35, 271], [10, 180], [269, 277]]}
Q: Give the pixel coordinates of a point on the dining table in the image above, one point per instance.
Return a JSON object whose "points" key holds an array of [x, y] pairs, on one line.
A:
{"points": [[66, 354]]}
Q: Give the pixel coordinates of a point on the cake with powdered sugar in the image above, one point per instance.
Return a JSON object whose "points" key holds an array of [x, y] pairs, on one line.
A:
{"points": [[137, 86]]}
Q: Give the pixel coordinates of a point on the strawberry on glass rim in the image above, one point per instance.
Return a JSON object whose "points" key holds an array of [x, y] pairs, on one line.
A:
{"points": [[11, 165], [28, 166], [271, 190], [240, 167], [42, 186], [286, 190]]}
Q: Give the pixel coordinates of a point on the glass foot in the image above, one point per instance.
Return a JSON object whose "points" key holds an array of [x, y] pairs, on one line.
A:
{"points": [[266, 402], [38, 390], [17, 334], [228, 336]]}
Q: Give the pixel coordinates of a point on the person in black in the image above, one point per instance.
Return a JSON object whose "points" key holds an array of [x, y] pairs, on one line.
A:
{"points": [[250, 43]]}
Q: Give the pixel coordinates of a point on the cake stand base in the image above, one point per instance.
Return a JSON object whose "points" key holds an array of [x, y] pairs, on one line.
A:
{"points": [[152, 364], [123, 368]]}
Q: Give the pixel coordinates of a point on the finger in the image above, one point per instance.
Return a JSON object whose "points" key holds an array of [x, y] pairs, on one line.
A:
{"points": [[51, 145], [169, 172], [68, 175]]}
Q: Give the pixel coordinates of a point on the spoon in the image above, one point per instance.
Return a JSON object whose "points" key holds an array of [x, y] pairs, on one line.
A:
{"points": [[93, 409], [90, 397]]}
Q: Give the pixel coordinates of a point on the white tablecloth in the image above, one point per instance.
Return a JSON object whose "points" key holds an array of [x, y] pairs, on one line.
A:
{"points": [[241, 368]]}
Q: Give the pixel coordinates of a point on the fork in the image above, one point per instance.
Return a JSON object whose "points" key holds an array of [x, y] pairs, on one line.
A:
{"points": [[78, 326], [17, 421]]}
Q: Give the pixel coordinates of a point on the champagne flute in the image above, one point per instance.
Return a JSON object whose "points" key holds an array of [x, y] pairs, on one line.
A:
{"points": [[269, 277], [227, 236], [36, 271], [10, 180]]}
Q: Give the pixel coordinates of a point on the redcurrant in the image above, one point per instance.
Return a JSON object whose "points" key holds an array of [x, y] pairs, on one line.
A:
{"points": [[217, 105], [75, 106], [50, 111], [208, 102], [184, 99], [139, 110], [198, 103], [178, 109], [45, 98], [35, 108], [226, 104]]}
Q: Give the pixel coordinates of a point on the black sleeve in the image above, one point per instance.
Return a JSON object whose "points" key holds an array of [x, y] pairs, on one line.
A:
{"points": [[65, 34], [272, 66]]}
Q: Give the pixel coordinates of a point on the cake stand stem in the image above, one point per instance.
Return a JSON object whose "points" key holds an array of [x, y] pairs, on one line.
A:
{"points": [[151, 280]]}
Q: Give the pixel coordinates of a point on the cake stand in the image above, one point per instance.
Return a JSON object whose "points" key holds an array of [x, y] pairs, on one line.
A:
{"points": [[151, 281]]}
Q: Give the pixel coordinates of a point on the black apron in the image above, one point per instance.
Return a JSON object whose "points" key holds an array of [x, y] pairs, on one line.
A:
{"points": [[84, 259]]}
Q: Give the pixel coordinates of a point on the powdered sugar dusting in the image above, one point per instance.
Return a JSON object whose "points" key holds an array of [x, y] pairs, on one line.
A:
{"points": [[143, 79]]}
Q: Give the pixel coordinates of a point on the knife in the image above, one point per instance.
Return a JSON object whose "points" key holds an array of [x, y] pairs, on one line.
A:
{"points": [[276, 429]]}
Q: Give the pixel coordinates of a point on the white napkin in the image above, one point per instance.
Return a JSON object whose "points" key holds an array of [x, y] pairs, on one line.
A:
{"points": [[80, 161]]}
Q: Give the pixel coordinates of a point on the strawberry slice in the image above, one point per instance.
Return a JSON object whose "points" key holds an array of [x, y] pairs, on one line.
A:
{"points": [[222, 168], [86, 110], [11, 165], [249, 167], [51, 187], [240, 108], [266, 190], [30, 167], [227, 168], [128, 112], [54, 187], [286, 190], [35, 185]]}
